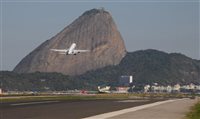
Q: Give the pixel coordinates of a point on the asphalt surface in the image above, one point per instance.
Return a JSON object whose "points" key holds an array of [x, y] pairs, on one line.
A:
{"points": [[75, 109], [172, 110]]}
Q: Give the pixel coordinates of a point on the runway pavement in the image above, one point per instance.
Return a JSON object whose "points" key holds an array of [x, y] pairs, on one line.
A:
{"points": [[170, 109], [74, 109], [97, 109]]}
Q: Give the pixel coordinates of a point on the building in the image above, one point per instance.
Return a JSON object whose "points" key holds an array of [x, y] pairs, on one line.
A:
{"points": [[147, 88], [176, 88], [125, 81], [192, 86], [169, 89], [1, 91], [197, 87], [122, 89]]}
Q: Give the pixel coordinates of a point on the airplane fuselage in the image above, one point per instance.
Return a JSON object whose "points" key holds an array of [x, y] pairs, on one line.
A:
{"points": [[71, 49]]}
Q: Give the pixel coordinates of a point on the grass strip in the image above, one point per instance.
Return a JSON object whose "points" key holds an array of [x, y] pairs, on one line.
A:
{"points": [[195, 112]]}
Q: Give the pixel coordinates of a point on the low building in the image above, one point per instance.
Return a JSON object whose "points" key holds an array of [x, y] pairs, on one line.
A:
{"points": [[177, 88], [192, 86], [197, 87], [147, 88], [122, 89], [1, 91], [169, 89]]}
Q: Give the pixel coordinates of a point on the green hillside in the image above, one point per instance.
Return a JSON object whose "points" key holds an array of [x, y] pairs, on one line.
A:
{"points": [[146, 66]]}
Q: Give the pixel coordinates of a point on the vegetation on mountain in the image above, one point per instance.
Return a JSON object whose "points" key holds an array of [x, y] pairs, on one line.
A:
{"points": [[146, 67]]}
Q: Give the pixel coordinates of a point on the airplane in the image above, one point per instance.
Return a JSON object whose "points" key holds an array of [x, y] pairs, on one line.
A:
{"points": [[70, 51]]}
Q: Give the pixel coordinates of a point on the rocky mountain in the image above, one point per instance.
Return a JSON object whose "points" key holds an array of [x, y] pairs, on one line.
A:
{"points": [[94, 30]]}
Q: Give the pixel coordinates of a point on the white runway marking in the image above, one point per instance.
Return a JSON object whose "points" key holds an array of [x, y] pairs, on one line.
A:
{"points": [[123, 111], [32, 103], [132, 101]]}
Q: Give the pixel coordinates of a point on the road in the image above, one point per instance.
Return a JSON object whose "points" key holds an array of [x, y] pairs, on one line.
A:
{"points": [[75, 109]]}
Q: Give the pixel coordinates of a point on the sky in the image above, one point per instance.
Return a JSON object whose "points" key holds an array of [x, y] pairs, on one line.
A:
{"points": [[166, 25]]}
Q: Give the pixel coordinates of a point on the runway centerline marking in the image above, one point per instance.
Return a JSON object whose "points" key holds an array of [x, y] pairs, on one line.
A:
{"points": [[133, 109], [32, 103]]}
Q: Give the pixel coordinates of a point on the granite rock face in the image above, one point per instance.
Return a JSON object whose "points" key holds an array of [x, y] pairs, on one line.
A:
{"points": [[94, 30]]}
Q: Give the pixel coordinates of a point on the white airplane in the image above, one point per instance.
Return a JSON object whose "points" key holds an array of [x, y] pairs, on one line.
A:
{"points": [[70, 51]]}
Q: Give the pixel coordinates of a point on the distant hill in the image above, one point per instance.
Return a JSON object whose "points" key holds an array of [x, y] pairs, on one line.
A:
{"points": [[149, 66], [146, 66]]}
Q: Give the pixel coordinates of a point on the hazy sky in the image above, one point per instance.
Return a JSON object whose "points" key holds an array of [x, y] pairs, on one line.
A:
{"points": [[166, 25]]}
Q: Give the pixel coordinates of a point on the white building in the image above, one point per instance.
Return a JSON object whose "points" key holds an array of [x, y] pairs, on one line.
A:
{"points": [[122, 89], [197, 87], [189, 87], [169, 89], [176, 88], [146, 88], [192, 86]]}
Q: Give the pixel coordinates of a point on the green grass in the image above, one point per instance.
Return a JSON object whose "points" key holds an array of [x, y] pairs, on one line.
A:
{"points": [[64, 97], [24, 98], [195, 112]]}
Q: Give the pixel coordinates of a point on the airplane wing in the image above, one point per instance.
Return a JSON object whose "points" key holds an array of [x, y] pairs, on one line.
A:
{"points": [[79, 51], [59, 50]]}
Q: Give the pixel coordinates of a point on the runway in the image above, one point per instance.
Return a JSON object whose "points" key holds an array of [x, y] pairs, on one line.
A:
{"points": [[74, 109], [170, 109]]}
